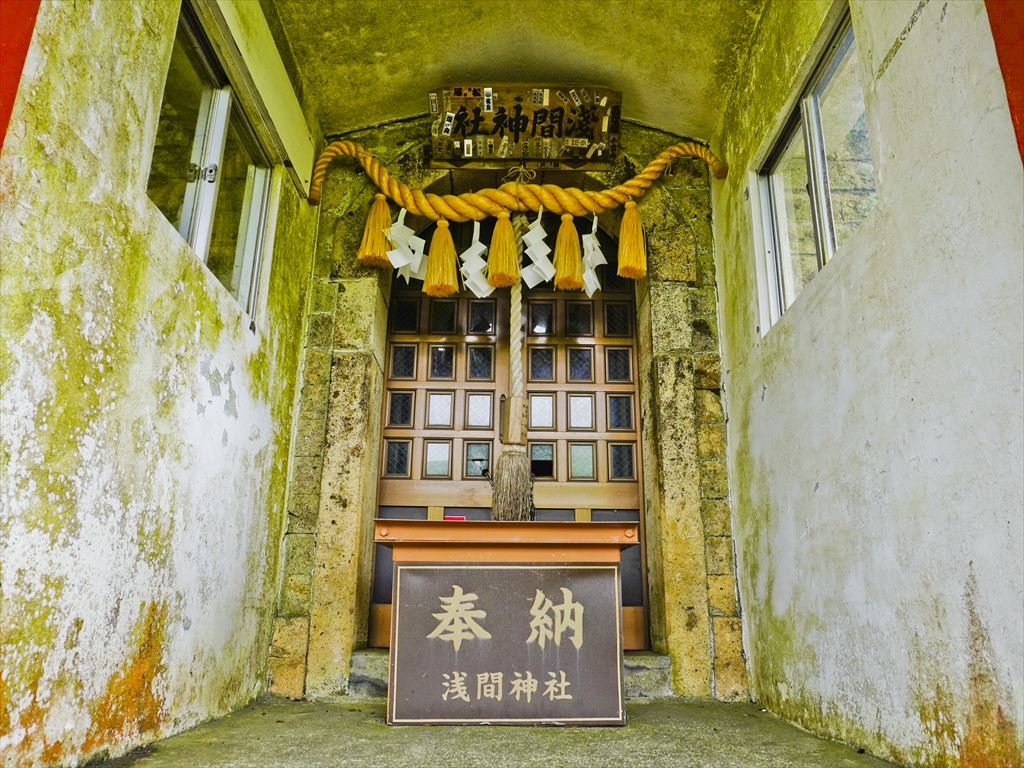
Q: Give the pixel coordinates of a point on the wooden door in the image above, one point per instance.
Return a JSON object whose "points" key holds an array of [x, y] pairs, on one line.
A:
{"points": [[446, 376]]}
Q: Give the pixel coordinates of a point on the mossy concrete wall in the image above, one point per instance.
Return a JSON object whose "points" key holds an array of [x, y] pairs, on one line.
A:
{"points": [[875, 431], [325, 593], [145, 428]]}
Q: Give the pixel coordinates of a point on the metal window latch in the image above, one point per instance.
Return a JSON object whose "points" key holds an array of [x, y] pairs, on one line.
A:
{"points": [[206, 173]]}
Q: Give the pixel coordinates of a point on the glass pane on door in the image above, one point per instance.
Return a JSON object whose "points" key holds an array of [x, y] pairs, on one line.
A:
{"points": [[582, 461], [440, 409], [479, 409], [581, 364], [478, 459], [438, 456], [442, 362], [542, 412]]}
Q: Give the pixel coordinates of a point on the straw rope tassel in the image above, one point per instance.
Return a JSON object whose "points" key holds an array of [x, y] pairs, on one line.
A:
{"points": [[373, 250], [568, 257], [503, 254], [513, 486], [442, 277], [632, 248]]}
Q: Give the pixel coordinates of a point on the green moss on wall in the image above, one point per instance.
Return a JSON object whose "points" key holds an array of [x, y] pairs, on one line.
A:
{"points": [[144, 453], [829, 641]]}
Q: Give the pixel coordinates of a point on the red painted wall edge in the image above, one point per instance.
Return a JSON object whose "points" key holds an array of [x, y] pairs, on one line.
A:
{"points": [[1006, 17], [17, 20]]}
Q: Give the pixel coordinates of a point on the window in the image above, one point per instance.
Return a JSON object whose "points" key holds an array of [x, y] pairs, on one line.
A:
{"points": [[440, 409], [437, 457], [542, 364], [403, 361], [405, 315], [480, 363], [478, 460], [442, 362], [617, 367], [579, 318], [479, 410], [542, 318], [400, 409], [817, 184], [582, 461], [542, 460], [442, 316], [209, 175], [581, 411], [620, 462], [541, 412], [396, 458], [581, 363], [616, 319], [481, 317], [620, 412]]}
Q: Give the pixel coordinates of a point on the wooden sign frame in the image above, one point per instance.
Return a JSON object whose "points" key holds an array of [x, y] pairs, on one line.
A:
{"points": [[461, 547], [541, 126]]}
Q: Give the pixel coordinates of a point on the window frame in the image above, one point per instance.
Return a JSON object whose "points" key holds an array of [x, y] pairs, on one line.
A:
{"points": [[220, 111], [467, 425], [465, 459], [553, 444], [804, 119]]}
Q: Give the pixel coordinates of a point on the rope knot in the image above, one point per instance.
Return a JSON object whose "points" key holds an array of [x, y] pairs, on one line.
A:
{"points": [[520, 175]]}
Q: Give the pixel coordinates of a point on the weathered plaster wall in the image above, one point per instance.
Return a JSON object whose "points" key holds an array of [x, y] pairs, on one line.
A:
{"points": [[324, 599], [145, 429], [875, 432]]}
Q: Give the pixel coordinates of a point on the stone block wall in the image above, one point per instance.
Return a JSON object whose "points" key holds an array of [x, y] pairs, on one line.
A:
{"points": [[692, 585]]}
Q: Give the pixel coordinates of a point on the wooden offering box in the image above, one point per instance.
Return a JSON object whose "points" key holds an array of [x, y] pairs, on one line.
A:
{"points": [[511, 623]]}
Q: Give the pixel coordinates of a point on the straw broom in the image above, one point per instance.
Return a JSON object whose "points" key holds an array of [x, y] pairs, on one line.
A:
{"points": [[513, 486]]}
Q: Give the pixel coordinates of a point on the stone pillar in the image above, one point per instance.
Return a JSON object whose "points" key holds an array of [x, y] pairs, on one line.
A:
{"points": [[291, 627], [326, 580], [694, 612]]}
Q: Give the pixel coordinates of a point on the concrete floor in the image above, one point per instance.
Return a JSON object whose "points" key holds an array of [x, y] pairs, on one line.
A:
{"points": [[287, 734]]}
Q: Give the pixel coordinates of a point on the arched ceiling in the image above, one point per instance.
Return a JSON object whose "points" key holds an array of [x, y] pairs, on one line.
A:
{"points": [[362, 62]]}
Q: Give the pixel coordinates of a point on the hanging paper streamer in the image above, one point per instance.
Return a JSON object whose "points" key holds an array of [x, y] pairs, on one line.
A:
{"points": [[593, 257], [473, 266], [407, 254], [541, 269]]}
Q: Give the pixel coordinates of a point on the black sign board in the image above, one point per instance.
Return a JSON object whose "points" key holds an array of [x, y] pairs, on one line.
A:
{"points": [[502, 125], [521, 644]]}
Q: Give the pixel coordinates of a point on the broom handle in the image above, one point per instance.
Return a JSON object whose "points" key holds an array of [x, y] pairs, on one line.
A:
{"points": [[517, 386], [515, 341]]}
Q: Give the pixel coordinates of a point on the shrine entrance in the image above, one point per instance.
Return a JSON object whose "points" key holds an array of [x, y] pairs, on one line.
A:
{"points": [[446, 380]]}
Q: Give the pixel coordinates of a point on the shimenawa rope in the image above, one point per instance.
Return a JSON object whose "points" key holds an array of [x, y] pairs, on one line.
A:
{"points": [[512, 195]]}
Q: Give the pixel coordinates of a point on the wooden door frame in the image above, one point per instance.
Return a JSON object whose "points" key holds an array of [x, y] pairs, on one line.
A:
{"points": [[636, 619]]}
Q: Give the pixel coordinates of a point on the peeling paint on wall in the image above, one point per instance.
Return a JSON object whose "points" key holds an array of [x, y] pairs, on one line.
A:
{"points": [[145, 428]]}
